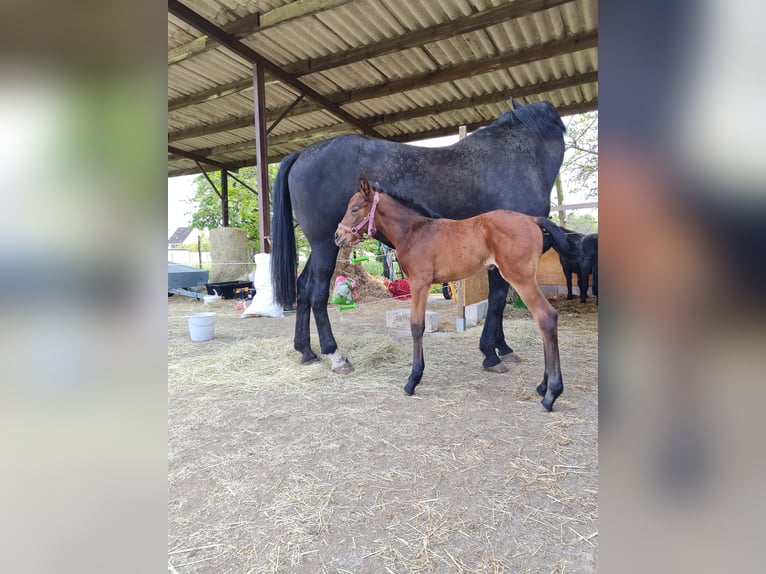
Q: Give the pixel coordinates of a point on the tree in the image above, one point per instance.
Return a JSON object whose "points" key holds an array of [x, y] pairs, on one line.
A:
{"points": [[580, 167], [243, 203]]}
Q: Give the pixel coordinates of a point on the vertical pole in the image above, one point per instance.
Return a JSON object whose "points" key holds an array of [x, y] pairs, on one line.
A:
{"points": [[199, 250], [225, 197], [460, 319], [560, 199], [259, 103]]}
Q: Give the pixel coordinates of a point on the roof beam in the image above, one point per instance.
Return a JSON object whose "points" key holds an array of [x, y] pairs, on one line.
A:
{"points": [[196, 157], [253, 23], [571, 109], [451, 73], [414, 39], [415, 113], [226, 39]]}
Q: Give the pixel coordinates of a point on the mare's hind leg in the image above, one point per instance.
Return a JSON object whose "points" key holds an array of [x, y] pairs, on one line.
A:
{"points": [[324, 264], [547, 320], [302, 340]]}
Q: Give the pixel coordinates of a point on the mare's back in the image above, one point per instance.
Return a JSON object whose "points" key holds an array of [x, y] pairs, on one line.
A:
{"points": [[503, 166]]}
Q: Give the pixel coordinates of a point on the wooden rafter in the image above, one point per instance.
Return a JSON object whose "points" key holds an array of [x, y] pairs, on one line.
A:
{"points": [[228, 40], [256, 22], [577, 108], [449, 73], [416, 113], [404, 41]]}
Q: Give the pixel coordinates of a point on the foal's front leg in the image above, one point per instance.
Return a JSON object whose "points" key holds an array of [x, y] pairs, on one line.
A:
{"points": [[419, 293]]}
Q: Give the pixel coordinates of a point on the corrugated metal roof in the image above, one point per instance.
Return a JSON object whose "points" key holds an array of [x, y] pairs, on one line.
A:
{"points": [[408, 69]]}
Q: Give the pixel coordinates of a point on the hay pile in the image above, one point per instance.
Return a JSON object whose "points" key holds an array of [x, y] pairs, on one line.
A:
{"points": [[367, 285]]}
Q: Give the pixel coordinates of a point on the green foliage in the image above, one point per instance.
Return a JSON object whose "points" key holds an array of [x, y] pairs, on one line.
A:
{"points": [[206, 211], [580, 167], [204, 244], [580, 222], [373, 266]]}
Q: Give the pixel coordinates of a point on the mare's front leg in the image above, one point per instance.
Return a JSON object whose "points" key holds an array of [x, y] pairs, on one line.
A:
{"points": [[493, 336], [324, 264], [419, 292], [493, 325]]}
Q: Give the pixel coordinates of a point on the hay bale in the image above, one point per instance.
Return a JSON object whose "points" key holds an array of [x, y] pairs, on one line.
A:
{"points": [[229, 254]]}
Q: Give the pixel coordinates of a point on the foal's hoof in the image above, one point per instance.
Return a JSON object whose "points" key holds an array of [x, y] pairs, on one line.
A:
{"points": [[510, 358], [343, 368], [547, 403], [499, 368]]}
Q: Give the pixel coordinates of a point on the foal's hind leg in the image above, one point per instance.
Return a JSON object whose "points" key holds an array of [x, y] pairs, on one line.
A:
{"points": [[547, 319]]}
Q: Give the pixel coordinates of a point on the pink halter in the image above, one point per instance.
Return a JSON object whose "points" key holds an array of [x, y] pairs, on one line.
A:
{"points": [[369, 219]]}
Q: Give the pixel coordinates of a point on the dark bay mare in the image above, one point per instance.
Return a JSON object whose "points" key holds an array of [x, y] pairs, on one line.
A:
{"points": [[438, 250], [511, 164]]}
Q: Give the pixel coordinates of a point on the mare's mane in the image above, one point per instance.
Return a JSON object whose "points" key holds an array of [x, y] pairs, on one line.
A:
{"points": [[540, 118]]}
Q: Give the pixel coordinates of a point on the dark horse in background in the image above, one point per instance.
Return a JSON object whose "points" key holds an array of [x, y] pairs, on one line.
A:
{"points": [[582, 261], [511, 164]]}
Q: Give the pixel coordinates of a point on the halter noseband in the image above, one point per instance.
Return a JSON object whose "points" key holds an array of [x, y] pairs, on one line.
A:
{"points": [[369, 219]]}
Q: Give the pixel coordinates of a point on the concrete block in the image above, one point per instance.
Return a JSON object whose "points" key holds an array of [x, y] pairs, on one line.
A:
{"points": [[475, 312], [400, 319]]}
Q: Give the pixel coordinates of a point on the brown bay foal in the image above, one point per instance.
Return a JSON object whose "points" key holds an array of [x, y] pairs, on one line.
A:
{"points": [[440, 250]]}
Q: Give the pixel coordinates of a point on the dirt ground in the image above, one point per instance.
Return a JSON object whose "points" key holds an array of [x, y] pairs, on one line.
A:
{"points": [[279, 467]]}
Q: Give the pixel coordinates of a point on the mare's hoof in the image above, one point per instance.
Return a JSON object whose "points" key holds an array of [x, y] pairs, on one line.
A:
{"points": [[499, 368], [409, 390], [308, 359], [548, 404], [343, 368], [510, 358]]}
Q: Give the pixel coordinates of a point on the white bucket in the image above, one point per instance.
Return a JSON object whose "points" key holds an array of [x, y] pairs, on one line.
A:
{"points": [[201, 326]]}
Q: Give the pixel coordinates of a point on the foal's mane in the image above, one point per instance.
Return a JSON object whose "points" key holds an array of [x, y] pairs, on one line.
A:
{"points": [[408, 202]]}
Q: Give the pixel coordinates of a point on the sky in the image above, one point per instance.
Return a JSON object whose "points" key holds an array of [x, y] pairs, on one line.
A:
{"points": [[180, 189]]}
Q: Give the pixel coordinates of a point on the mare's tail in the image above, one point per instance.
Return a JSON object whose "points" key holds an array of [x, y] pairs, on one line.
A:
{"points": [[554, 236], [284, 259]]}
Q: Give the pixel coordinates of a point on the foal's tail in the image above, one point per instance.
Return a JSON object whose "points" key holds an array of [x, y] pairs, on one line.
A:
{"points": [[284, 260], [554, 236]]}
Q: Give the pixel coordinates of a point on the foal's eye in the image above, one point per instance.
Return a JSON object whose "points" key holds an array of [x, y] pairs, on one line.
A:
{"points": [[355, 210]]}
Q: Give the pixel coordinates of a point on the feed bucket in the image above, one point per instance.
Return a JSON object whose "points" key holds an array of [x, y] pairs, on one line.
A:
{"points": [[201, 326]]}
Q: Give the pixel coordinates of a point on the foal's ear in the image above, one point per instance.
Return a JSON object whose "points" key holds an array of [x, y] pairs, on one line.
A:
{"points": [[364, 187]]}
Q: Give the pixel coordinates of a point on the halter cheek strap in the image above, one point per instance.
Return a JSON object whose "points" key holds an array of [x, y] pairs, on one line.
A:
{"points": [[369, 219]]}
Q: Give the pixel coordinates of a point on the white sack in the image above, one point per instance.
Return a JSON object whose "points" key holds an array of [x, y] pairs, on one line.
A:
{"points": [[263, 302]]}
